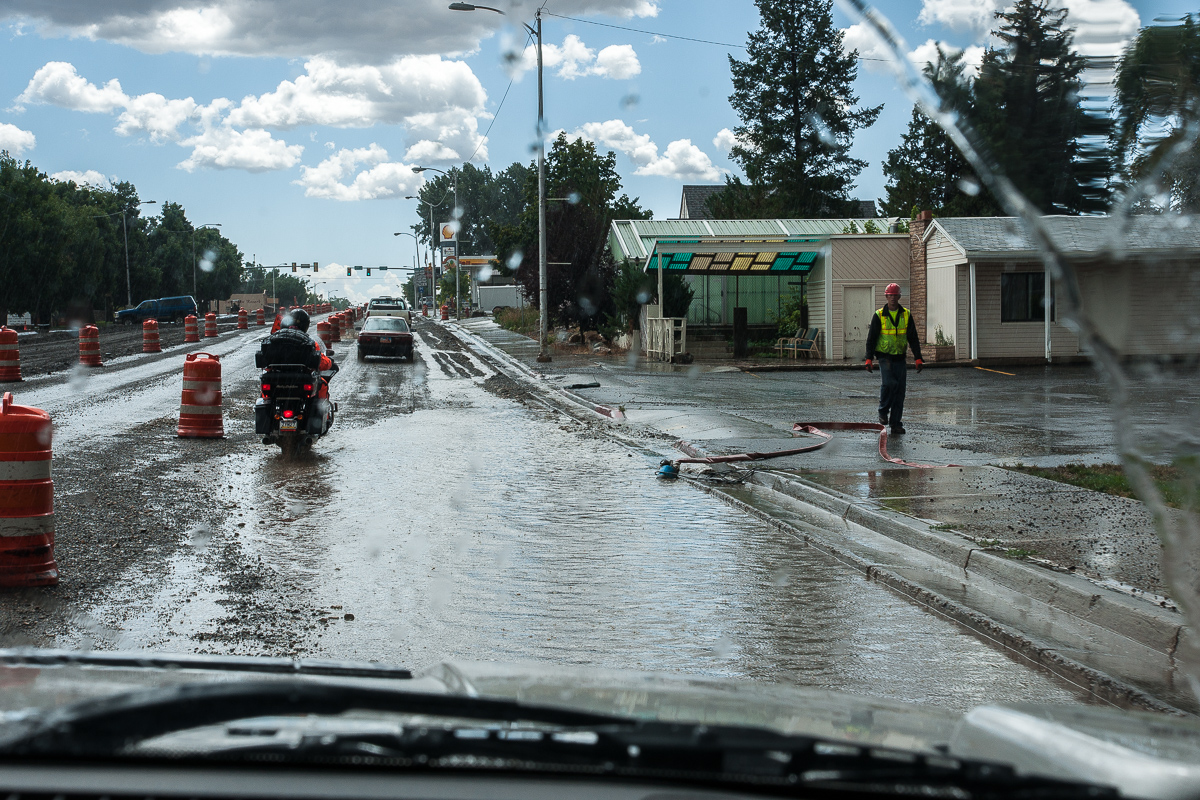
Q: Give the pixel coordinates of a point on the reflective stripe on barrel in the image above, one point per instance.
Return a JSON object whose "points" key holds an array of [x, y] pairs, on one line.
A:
{"points": [[190, 331], [89, 346], [150, 340], [210, 325]]}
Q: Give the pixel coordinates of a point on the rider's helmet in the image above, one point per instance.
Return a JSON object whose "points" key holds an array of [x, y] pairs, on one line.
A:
{"points": [[297, 319]]}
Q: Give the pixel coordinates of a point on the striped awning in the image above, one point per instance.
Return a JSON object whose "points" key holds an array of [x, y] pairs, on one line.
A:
{"points": [[742, 256]]}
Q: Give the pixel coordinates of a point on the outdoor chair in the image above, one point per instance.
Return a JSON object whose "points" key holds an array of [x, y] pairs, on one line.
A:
{"points": [[786, 346], [807, 344]]}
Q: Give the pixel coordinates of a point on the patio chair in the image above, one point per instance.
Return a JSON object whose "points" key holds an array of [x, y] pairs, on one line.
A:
{"points": [[807, 344], [786, 346]]}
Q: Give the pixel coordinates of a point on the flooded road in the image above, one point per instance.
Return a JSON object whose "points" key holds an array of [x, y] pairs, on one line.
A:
{"points": [[449, 517]]}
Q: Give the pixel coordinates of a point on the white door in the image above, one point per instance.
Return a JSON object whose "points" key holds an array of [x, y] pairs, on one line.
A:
{"points": [[858, 304]]}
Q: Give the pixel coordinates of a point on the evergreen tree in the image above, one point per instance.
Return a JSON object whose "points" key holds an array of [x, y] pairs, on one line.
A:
{"points": [[794, 95], [1157, 102], [1029, 116], [926, 170]]}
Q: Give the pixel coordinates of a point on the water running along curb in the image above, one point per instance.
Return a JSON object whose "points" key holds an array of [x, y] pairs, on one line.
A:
{"points": [[1067, 611]]}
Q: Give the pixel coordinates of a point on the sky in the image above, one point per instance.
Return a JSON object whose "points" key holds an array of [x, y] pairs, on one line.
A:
{"points": [[295, 124]]}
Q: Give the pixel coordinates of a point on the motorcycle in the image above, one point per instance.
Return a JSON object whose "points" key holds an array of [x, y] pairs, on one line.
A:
{"points": [[289, 411]]}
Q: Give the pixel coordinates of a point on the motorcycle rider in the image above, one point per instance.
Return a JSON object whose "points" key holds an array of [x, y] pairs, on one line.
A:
{"points": [[297, 319]]}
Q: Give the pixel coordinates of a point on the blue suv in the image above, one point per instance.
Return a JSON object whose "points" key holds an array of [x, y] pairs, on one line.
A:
{"points": [[166, 309]]}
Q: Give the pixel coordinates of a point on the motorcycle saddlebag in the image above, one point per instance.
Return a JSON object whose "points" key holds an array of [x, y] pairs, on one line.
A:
{"points": [[262, 416]]}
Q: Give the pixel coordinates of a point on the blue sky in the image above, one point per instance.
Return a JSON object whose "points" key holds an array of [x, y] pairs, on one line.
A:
{"points": [[295, 124]]}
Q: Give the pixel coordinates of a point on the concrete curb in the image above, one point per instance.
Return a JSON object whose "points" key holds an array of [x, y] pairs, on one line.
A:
{"points": [[1139, 620], [1095, 681]]}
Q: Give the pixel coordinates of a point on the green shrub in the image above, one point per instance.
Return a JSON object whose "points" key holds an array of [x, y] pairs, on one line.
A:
{"points": [[519, 320]]}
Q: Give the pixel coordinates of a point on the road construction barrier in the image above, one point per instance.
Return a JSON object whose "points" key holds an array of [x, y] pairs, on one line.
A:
{"points": [[348, 326], [424, 311], [200, 408], [89, 346], [260, 318], [190, 331], [26, 497], [324, 331], [210, 325], [445, 313], [335, 328], [10, 355], [243, 320], [150, 341]]}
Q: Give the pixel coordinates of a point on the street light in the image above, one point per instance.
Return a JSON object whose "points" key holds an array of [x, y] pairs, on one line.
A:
{"points": [[432, 292], [125, 231], [454, 178], [209, 225], [543, 356]]}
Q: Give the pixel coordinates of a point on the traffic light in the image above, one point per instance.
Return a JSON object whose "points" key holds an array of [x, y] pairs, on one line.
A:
{"points": [[314, 268], [349, 270], [368, 272], [293, 266]]}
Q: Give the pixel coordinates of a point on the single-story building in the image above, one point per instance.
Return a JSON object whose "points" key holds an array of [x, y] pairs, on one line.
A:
{"points": [[758, 264], [983, 283], [250, 302]]}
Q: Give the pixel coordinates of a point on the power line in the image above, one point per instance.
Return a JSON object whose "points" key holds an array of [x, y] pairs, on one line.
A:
{"points": [[670, 35], [497, 114]]}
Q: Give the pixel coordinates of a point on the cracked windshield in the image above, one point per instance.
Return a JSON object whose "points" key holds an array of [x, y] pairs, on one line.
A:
{"points": [[783, 368]]}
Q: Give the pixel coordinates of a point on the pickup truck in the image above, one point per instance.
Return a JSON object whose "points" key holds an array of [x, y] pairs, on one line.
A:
{"points": [[165, 309], [390, 307]]}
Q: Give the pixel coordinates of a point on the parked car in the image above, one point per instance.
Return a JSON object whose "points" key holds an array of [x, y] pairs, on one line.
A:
{"points": [[385, 336], [390, 307], [165, 309]]}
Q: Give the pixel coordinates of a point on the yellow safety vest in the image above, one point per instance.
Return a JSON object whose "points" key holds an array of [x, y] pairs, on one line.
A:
{"points": [[893, 338]]}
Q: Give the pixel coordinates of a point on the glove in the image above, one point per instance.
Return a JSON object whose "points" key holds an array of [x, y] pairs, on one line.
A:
{"points": [[920, 364], [868, 365]]}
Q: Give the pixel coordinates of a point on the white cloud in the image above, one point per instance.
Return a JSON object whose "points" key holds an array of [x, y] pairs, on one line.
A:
{"points": [[156, 115], [725, 140], [617, 61], [681, 161], [975, 17], [15, 140], [57, 83], [1102, 27], [574, 59], [88, 177], [861, 37], [223, 147], [382, 179], [927, 54], [365, 31]]}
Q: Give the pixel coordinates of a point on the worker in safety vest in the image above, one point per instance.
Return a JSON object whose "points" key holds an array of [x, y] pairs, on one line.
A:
{"points": [[891, 333]]}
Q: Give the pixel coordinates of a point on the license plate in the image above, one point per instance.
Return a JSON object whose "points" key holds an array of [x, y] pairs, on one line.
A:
{"points": [[385, 340], [287, 424]]}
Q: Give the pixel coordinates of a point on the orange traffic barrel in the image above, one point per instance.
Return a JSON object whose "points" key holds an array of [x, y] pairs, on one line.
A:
{"points": [[89, 346], [190, 331], [260, 317], [445, 312], [243, 320], [200, 408], [335, 327], [10, 355], [210, 325], [150, 340], [348, 324], [26, 497], [325, 333]]}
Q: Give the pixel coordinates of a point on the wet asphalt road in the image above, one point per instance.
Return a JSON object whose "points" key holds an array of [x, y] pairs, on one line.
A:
{"points": [[449, 515]]}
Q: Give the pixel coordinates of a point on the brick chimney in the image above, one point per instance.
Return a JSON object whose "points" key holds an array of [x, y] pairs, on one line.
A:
{"points": [[918, 277]]}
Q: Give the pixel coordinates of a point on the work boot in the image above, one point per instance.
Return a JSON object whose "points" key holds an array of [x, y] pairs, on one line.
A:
{"points": [[897, 430], [883, 419]]}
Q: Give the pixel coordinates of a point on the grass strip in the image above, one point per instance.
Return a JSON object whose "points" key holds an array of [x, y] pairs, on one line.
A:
{"points": [[1176, 483]]}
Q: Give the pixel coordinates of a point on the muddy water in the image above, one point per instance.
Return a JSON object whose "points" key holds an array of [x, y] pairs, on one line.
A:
{"points": [[451, 523]]}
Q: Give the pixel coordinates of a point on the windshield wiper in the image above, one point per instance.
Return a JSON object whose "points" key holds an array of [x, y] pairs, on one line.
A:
{"points": [[110, 725], [562, 741]]}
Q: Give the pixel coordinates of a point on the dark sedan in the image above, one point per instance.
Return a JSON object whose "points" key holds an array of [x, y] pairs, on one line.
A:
{"points": [[385, 336]]}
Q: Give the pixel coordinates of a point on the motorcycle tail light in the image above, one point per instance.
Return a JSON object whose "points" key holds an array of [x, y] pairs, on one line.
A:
{"points": [[308, 387], [266, 387], [288, 414]]}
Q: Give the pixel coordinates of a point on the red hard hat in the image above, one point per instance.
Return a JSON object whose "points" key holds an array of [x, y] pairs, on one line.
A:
{"points": [[893, 288]]}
